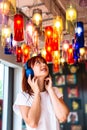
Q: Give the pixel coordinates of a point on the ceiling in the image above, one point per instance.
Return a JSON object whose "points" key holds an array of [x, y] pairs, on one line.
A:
{"points": [[51, 8]]}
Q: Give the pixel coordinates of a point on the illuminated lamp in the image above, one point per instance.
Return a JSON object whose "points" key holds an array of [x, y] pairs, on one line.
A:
{"points": [[48, 57], [48, 32], [71, 14], [5, 33], [8, 7], [29, 32], [58, 24], [43, 53], [18, 27], [70, 58], [55, 44], [56, 61], [79, 31], [18, 54], [8, 49], [25, 52], [65, 45], [82, 51], [37, 17]]}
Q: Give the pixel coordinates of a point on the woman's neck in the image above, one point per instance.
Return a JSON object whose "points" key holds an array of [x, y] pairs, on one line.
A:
{"points": [[41, 85]]}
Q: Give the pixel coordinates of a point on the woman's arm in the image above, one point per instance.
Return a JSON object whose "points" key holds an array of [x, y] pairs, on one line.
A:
{"points": [[31, 114], [60, 108]]}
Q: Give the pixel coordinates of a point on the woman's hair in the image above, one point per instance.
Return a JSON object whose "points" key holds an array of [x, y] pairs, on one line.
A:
{"points": [[30, 63]]}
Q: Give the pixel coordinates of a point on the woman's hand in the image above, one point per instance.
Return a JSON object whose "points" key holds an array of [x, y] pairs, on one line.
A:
{"points": [[48, 83], [34, 84]]}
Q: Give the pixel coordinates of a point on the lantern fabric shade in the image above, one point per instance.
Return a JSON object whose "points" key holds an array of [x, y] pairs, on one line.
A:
{"points": [[8, 7], [37, 17], [71, 14], [18, 27], [80, 34]]}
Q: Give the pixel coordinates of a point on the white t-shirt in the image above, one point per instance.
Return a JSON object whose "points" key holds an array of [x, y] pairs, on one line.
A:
{"points": [[48, 120]]}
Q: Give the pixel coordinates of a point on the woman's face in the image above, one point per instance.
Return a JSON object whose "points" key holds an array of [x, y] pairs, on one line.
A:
{"points": [[40, 68]]}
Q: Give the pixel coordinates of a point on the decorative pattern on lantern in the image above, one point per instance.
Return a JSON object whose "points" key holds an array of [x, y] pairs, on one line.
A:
{"points": [[8, 7], [18, 27]]}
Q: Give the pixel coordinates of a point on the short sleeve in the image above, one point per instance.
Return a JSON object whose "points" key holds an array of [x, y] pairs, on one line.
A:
{"points": [[58, 93], [22, 99]]}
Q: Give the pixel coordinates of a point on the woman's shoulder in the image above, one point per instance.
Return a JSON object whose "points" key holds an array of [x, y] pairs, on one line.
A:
{"points": [[23, 98]]}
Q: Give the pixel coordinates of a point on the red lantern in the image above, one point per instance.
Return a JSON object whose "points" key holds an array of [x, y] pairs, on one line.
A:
{"points": [[48, 32], [19, 54], [18, 27], [55, 44], [48, 57]]}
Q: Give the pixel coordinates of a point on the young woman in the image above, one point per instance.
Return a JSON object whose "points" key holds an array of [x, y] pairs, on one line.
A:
{"points": [[40, 104]]}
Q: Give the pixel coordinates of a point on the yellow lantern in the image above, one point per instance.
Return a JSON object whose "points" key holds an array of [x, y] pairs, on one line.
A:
{"points": [[8, 7], [71, 14], [58, 24], [37, 17], [5, 33]]}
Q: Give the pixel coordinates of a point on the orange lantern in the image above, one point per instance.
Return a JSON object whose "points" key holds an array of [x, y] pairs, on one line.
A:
{"points": [[18, 27], [25, 52]]}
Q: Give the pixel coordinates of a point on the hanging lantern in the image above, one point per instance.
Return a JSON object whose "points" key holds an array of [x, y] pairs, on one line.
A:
{"points": [[8, 49], [48, 32], [29, 32], [5, 33], [80, 34], [70, 57], [58, 24], [48, 57], [25, 52], [4, 19], [37, 17], [18, 27], [18, 54], [71, 14], [43, 53], [8, 7], [56, 60]]}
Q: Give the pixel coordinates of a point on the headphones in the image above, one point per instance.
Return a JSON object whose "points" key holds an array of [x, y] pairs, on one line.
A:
{"points": [[28, 70]]}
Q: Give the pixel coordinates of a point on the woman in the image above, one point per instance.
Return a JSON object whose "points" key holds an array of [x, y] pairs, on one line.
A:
{"points": [[40, 104]]}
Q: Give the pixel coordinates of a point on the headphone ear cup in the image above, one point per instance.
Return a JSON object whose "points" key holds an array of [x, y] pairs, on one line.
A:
{"points": [[28, 70]]}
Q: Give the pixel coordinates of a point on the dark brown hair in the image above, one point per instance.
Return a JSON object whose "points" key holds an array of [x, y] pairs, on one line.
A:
{"points": [[30, 63]]}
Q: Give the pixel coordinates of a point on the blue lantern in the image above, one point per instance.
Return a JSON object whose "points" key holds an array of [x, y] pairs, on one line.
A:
{"points": [[79, 31]]}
